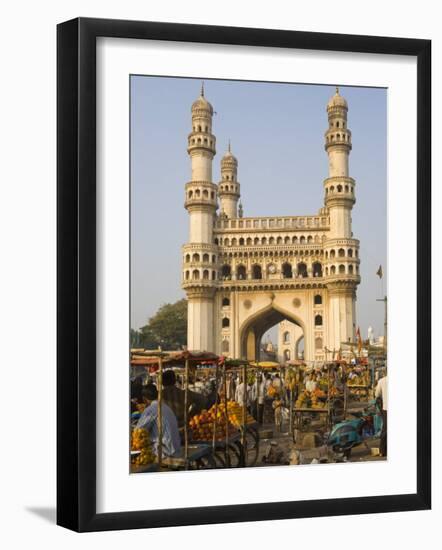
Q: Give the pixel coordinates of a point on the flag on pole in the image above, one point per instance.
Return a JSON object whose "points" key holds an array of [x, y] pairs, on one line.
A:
{"points": [[379, 272], [358, 336]]}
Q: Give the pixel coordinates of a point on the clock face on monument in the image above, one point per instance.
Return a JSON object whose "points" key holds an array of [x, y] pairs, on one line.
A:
{"points": [[272, 269]]}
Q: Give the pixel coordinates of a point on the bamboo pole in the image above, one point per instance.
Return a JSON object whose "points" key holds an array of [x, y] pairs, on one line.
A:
{"points": [[216, 408], [160, 412], [186, 413], [291, 405], [244, 412], [281, 393], [226, 419], [328, 397], [345, 389]]}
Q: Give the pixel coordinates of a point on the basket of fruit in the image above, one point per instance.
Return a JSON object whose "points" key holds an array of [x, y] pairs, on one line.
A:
{"points": [[142, 454]]}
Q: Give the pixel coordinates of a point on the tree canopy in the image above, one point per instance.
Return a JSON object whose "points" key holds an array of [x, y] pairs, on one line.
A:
{"points": [[166, 329]]}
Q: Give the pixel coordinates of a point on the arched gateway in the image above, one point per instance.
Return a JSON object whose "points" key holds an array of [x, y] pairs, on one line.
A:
{"points": [[258, 323], [243, 275]]}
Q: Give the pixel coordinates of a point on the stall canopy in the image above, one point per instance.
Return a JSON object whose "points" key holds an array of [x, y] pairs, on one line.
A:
{"points": [[265, 364], [150, 359]]}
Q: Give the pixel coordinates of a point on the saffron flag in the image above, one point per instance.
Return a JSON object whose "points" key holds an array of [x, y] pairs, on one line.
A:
{"points": [[379, 272]]}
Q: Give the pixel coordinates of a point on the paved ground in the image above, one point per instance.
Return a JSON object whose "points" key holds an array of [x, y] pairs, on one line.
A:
{"points": [[285, 445]]}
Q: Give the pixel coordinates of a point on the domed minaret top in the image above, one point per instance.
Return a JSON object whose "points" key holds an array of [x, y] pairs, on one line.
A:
{"points": [[201, 104], [337, 101], [228, 187], [229, 162], [201, 143]]}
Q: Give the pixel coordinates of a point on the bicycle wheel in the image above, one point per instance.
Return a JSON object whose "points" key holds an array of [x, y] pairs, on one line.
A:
{"points": [[236, 454], [252, 446]]}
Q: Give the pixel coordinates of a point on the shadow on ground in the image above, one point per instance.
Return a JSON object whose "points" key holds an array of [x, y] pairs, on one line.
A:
{"points": [[46, 513]]}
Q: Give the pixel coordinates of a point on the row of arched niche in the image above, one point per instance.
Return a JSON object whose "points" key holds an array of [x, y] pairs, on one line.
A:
{"points": [[339, 253], [287, 271]]}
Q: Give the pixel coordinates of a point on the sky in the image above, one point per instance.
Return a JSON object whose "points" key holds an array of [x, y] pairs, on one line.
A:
{"points": [[277, 134]]}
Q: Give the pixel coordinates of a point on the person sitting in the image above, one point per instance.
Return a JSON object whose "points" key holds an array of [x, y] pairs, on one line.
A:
{"points": [[174, 397], [171, 442]]}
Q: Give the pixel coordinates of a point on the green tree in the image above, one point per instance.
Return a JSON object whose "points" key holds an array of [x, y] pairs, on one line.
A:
{"points": [[167, 328], [135, 338]]}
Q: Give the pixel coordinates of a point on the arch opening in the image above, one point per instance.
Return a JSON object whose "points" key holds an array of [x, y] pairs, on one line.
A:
{"points": [[259, 336]]}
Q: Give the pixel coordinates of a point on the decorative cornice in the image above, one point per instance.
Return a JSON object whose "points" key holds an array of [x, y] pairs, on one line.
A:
{"points": [[345, 287], [340, 199], [200, 292]]}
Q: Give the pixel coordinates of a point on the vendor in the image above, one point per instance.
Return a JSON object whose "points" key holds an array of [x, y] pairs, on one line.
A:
{"points": [[174, 397], [149, 421]]}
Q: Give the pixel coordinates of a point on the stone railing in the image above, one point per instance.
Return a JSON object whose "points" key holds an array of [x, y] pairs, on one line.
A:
{"points": [[343, 242], [275, 223]]}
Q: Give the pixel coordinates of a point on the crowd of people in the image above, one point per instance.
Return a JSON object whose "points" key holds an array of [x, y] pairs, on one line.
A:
{"points": [[266, 396], [266, 391]]}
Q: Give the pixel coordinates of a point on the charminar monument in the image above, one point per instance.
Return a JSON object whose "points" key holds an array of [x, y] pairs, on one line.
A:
{"points": [[243, 275]]}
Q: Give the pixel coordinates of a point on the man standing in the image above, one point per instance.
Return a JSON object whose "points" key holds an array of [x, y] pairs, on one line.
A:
{"points": [[258, 396], [149, 420], [381, 393], [241, 393]]}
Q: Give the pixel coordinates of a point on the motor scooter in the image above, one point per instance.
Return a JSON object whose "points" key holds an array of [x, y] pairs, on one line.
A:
{"points": [[365, 425]]}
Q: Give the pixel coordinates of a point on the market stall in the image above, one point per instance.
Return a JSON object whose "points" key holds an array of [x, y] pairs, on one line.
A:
{"points": [[358, 382], [196, 455], [226, 429], [227, 426], [324, 400]]}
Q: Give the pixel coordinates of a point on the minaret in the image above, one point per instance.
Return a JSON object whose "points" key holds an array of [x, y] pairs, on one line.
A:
{"points": [[341, 250], [200, 254], [339, 187], [200, 191], [228, 187]]}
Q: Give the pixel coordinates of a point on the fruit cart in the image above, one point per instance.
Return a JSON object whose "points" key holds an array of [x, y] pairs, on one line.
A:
{"points": [[327, 402], [248, 426], [193, 456], [227, 426]]}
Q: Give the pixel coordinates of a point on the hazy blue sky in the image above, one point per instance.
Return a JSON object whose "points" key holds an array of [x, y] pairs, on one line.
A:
{"points": [[277, 135]]}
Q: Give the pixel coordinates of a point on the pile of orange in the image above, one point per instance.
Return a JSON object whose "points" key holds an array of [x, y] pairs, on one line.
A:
{"points": [[204, 424]]}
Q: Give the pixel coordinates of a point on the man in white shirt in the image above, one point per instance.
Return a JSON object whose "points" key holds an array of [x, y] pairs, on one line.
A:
{"points": [[240, 393], [310, 384], [381, 393], [258, 395]]}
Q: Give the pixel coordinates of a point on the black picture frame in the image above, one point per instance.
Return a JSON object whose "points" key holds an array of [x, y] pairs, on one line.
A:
{"points": [[76, 273]]}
